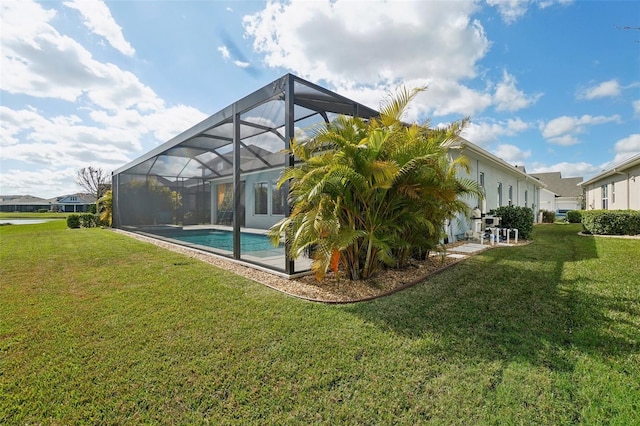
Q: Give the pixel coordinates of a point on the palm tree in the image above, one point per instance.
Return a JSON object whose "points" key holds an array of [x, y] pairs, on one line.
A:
{"points": [[106, 208], [370, 193]]}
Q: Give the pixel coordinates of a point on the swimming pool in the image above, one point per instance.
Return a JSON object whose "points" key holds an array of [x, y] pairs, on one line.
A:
{"points": [[253, 244]]}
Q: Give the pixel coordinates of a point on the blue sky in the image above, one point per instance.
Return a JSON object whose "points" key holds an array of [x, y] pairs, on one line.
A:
{"points": [[553, 85]]}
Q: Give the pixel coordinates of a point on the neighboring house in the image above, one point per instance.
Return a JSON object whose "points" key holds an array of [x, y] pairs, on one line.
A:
{"points": [[617, 188], [560, 193], [72, 203], [503, 185], [23, 203]]}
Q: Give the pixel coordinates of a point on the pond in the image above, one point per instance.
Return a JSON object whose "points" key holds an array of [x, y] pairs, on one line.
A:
{"points": [[23, 221]]}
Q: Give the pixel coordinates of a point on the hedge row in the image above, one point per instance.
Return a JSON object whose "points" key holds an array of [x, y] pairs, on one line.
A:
{"points": [[611, 222], [548, 216], [85, 220], [574, 216]]}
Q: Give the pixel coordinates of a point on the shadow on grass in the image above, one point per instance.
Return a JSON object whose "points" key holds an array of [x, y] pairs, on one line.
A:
{"points": [[510, 304]]}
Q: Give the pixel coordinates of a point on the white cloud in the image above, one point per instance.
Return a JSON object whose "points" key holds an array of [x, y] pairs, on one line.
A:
{"points": [[39, 61], [512, 153], [630, 144], [434, 43], [242, 64], [97, 17], [567, 169], [507, 97], [563, 130], [113, 138], [605, 89], [112, 113], [420, 39], [60, 181], [636, 108], [225, 52], [512, 10], [484, 133], [564, 140]]}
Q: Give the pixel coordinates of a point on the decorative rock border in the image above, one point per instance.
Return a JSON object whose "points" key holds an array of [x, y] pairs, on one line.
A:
{"points": [[292, 287]]}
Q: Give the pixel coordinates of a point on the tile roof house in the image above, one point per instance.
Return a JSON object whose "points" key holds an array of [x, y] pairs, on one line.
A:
{"points": [[71, 203], [560, 193]]}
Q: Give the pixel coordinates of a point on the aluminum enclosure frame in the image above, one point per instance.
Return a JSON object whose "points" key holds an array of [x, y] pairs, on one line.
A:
{"points": [[220, 148]]}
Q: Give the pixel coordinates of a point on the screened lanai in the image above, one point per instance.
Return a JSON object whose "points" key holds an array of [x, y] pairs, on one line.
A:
{"points": [[213, 187]]}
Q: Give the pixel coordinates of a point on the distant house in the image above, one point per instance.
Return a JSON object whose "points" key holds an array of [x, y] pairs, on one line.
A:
{"points": [[73, 203], [617, 188], [23, 203], [560, 193]]}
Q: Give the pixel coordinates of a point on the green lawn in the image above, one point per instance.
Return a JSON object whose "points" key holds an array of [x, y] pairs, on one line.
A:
{"points": [[99, 328], [48, 215]]}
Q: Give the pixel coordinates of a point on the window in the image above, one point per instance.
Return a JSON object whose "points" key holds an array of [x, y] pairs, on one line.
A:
{"points": [[499, 194], [261, 197], [481, 198], [526, 198], [605, 197], [510, 194], [278, 199], [613, 194]]}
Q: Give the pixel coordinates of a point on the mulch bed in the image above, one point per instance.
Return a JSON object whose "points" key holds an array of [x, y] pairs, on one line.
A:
{"points": [[333, 288]]}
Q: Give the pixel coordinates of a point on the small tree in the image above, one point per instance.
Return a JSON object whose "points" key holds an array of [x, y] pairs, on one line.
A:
{"points": [[94, 180], [106, 208]]}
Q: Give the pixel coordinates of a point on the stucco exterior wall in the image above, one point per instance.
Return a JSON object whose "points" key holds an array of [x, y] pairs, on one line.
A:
{"points": [[525, 190], [251, 218], [622, 191]]}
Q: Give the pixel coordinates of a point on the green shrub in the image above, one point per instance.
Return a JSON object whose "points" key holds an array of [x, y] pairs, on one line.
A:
{"points": [[42, 210], [574, 216], [611, 222], [548, 216], [520, 218], [92, 209], [73, 221], [88, 220]]}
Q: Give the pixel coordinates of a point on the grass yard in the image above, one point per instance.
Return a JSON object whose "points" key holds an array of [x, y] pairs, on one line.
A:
{"points": [[96, 327], [48, 215]]}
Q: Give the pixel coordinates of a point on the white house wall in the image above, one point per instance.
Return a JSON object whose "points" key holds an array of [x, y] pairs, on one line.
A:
{"points": [[547, 200], [623, 191], [525, 190], [252, 220], [568, 203]]}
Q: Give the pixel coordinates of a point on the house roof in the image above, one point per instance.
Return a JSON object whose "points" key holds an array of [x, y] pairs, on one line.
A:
{"points": [[81, 198], [30, 200], [22, 200], [564, 187], [620, 167]]}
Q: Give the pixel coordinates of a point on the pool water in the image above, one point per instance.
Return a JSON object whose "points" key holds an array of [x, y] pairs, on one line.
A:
{"points": [[254, 244]]}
